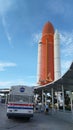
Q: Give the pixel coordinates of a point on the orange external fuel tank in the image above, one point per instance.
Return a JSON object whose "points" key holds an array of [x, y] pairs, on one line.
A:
{"points": [[46, 74]]}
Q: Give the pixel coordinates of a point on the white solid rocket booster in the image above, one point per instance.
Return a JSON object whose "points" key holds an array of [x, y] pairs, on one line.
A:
{"points": [[39, 60], [57, 66]]}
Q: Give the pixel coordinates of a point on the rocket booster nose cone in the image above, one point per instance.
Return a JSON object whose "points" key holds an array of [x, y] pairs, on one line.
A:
{"points": [[48, 29]]}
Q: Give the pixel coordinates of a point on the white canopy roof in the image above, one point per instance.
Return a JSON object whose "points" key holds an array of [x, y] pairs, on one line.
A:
{"points": [[66, 80]]}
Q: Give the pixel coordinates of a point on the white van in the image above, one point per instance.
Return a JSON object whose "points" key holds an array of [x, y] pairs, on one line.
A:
{"points": [[20, 102]]}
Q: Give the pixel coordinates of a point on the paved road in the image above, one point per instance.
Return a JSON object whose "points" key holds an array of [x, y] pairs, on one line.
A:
{"points": [[40, 121]]}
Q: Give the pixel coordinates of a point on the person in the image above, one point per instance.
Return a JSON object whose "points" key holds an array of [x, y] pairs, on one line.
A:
{"points": [[46, 108], [36, 107]]}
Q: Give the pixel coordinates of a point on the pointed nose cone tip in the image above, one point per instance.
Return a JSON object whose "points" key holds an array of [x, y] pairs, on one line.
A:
{"points": [[48, 29]]}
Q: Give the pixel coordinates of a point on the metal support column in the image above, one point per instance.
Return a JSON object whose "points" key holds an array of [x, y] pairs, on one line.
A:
{"points": [[45, 98], [63, 98], [57, 101], [52, 99], [6, 97], [71, 101], [42, 99]]}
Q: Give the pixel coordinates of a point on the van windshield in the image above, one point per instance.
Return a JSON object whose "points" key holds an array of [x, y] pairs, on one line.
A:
{"points": [[20, 98]]}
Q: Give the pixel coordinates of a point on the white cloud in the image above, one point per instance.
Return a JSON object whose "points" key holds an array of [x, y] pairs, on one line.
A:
{"points": [[28, 80], [66, 41], [36, 37], [6, 5], [66, 37], [65, 66], [18, 82], [3, 65], [6, 31], [4, 83], [8, 84]]}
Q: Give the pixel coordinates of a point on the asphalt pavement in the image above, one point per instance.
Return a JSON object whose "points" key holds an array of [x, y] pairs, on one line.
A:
{"points": [[40, 121]]}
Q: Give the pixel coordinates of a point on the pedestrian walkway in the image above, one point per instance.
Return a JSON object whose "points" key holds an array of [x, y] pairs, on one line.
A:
{"points": [[48, 122]]}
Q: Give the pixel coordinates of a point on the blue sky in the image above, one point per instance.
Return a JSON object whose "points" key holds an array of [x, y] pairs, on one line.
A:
{"points": [[21, 24]]}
